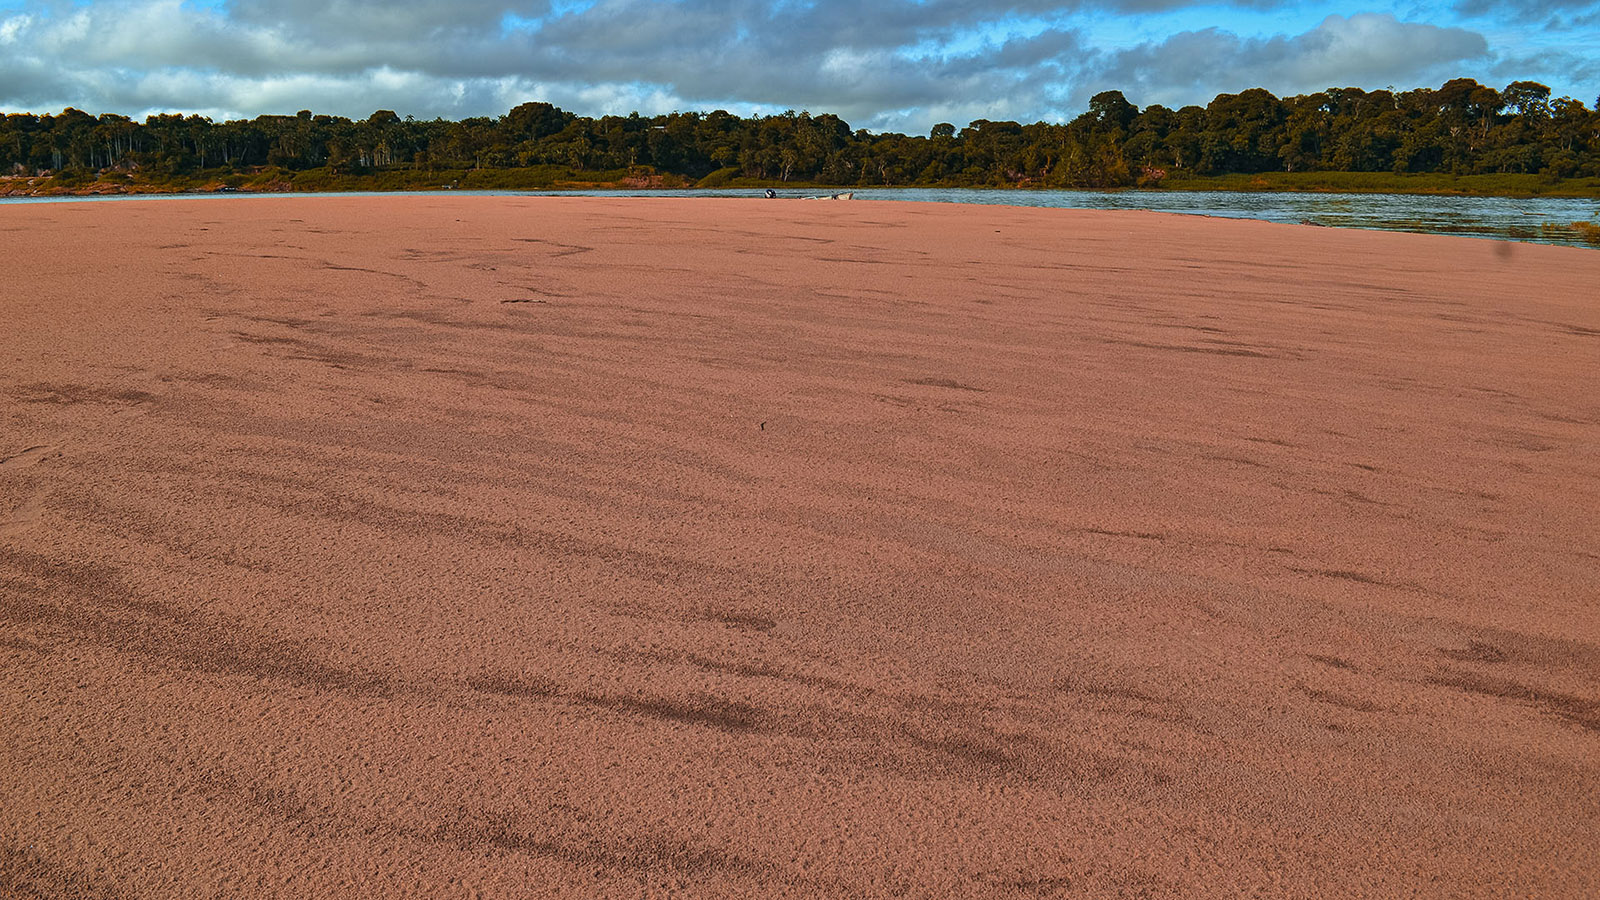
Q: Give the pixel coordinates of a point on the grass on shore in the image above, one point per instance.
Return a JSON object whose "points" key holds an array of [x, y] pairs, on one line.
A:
{"points": [[275, 180], [1588, 232], [550, 177]]}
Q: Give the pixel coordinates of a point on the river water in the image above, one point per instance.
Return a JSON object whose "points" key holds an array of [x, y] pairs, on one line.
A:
{"points": [[1540, 220]]}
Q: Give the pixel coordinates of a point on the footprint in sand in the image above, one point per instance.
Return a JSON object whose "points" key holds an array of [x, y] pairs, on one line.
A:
{"points": [[22, 518], [29, 456]]}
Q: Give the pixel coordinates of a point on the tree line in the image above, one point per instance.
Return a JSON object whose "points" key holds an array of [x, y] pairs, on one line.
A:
{"points": [[1459, 128]]}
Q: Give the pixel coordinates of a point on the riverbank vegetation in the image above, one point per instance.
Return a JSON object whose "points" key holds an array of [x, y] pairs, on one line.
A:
{"points": [[1460, 138]]}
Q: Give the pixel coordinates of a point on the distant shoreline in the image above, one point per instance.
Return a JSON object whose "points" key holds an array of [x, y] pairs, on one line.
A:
{"points": [[410, 181]]}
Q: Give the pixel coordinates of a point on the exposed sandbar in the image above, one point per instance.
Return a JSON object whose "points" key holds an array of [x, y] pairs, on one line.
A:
{"points": [[419, 547]]}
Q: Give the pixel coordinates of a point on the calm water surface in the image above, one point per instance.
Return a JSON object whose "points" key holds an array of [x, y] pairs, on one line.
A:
{"points": [[1541, 220]]}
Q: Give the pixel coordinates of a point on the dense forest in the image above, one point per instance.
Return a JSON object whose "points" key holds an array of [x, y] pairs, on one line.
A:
{"points": [[1462, 128]]}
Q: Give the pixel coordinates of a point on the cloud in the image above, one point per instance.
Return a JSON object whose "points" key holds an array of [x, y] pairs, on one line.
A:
{"points": [[1542, 65], [1522, 8], [1366, 49], [900, 64], [334, 21], [456, 58]]}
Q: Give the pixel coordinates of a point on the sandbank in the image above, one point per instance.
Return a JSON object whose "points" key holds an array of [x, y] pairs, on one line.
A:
{"points": [[554, 547]]}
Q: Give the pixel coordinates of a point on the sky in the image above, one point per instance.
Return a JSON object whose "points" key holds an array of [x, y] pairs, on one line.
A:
{"points": [[884, 65]]}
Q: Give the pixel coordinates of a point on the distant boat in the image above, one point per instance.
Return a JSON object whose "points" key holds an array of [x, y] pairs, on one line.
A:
{"points": [[843, 195]]}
